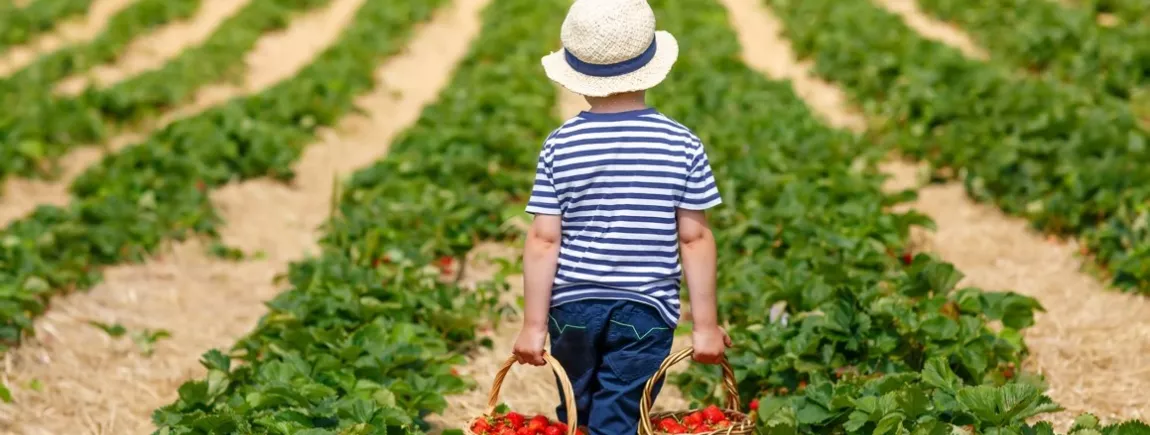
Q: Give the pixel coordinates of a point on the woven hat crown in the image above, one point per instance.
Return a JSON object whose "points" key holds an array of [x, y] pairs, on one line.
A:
{"points": [[605, 32]]}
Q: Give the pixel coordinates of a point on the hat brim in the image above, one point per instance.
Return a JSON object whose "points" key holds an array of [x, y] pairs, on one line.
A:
{"points": [[647, 77]]}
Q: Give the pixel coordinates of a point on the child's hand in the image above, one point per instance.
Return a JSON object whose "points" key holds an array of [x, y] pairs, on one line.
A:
{"points": [[529, 346], [710, 344]]}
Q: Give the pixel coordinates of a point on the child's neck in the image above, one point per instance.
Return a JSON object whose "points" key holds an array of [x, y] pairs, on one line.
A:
{"points": [[624, 102]]}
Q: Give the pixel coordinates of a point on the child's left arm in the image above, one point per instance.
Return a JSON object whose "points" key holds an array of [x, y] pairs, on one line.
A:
{"points": [[540, 263]]}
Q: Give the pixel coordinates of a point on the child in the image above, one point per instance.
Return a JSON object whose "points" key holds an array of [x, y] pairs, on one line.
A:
{"points": [[619, 195]]}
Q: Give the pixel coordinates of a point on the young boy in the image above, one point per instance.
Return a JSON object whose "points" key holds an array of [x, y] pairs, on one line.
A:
{"points": [[619, 195]]}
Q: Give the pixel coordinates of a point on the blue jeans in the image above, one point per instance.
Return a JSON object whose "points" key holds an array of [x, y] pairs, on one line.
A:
{"points": [[609, 349]]}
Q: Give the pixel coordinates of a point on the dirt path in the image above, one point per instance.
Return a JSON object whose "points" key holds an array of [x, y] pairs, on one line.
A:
{"points": [[153, 50], [528, 390], [275, 57], [932, 28], [92, 384], [68, 32], [1092, 344]]}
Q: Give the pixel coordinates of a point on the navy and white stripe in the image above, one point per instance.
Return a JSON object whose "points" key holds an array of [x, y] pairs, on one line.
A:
{"points": [[616, 180]]}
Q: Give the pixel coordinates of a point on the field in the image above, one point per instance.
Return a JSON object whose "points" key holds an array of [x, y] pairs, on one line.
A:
{"points": [[304, 216]]}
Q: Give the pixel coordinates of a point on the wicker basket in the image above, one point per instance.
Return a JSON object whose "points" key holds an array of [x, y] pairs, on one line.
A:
{"points": [[741, 424], [565, 384]]}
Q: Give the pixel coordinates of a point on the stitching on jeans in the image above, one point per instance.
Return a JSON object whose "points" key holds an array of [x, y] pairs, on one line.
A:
{"points": [[564, 327], [633, 328]]}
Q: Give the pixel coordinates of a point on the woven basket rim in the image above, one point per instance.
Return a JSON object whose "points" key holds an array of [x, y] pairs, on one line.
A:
{"points": [[744, 426], [564, 385]]}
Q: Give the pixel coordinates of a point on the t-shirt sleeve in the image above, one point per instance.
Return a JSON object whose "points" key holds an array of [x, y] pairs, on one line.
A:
{"points": [[700, 192], [543, 198]]}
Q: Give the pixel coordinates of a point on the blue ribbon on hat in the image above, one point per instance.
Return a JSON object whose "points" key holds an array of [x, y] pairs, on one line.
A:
{"points": [[614, 69]]}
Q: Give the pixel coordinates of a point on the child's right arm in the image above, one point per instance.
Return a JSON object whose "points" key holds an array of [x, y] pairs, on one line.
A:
{"points": [[697, 247]]}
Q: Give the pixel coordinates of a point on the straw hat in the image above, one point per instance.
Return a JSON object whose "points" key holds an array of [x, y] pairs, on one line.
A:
{"points": [[609, 47]]}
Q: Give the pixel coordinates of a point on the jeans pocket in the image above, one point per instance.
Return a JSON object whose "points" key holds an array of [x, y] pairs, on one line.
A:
{"points": [[639, 340], [630, 366]]}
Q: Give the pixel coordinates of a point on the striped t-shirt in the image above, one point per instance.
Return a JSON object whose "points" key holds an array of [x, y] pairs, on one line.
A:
{"points": [[616, 179]]}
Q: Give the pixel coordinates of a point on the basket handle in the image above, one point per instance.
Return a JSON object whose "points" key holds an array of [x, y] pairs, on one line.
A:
{"points": [[729, 384], [564, 383]]}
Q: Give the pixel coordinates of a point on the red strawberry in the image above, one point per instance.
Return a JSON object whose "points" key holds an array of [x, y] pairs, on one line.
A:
{"points": [[667, 424], [516, 420], [553, 430], [537, 423], [481, 426], [445, 261], [754, 404], [562, 427], [693, 419], [907, 258], [713, 414], [525, 431]]}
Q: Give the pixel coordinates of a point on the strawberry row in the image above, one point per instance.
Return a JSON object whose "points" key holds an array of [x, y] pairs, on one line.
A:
{"points": [[1064, 158], [157, 190], [56, 124], [21, 24], [1065, 42], [861, 338], [365, 338], [32, 136]]}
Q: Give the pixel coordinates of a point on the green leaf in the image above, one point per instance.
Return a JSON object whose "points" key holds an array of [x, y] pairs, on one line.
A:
{"points": [[982, 401], [938, 374], [1084, 421], [889, 424], [913, 402], [940, 328], [942, 277], [216, 360], [813, 414], [115, 330]]}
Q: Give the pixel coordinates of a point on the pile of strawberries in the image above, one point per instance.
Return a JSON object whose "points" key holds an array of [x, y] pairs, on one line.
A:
{"points": [[516, 424], [709, 419]]}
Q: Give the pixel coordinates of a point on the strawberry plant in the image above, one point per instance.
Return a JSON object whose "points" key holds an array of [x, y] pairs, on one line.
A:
{"points": [[365, 338], [132, 201], [1065, 42], [20, 24], [1066, 159]]}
